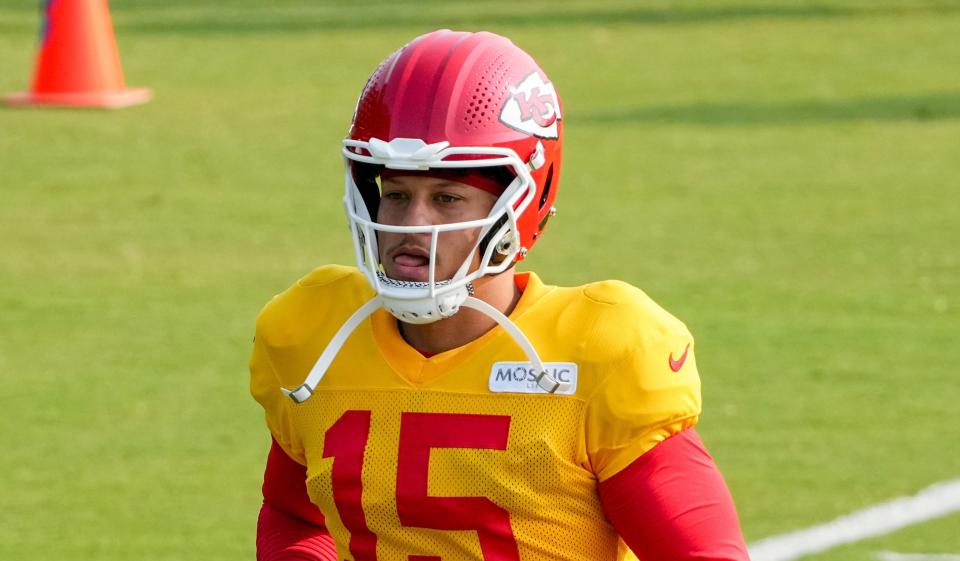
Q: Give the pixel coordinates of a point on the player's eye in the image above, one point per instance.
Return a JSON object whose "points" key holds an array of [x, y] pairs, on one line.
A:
{"points": [[446, 198], [393, 195]]}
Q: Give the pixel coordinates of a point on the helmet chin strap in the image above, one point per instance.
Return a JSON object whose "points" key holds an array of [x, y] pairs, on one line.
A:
{"points": [[305, 390], [544, 379]]}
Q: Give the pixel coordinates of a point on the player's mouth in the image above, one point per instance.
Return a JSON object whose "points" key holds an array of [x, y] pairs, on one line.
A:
{"points": [[410, 264]]}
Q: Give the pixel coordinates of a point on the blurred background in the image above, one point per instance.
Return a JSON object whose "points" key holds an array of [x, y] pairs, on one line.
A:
{"points": [[781, 175]]}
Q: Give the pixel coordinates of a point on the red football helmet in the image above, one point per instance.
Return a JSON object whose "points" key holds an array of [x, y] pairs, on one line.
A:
{"points": [[454, 100]]}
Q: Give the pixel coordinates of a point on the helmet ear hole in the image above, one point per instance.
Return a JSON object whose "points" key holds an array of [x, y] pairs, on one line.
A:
{"points": [[506, 246], [503, 237], [547, 184]]}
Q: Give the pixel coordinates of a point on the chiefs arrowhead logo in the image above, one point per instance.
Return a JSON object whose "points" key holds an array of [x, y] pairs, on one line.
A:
{"points": [[532, 107]]}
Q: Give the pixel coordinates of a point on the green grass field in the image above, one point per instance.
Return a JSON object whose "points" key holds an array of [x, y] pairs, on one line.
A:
{"points": [[781, 175]]}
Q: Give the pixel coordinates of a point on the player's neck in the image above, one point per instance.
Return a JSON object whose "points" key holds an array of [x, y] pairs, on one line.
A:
{"points": [[468, 324]]}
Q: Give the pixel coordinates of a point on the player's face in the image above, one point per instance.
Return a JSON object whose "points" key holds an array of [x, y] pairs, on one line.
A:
{"points": [[426, 201]]}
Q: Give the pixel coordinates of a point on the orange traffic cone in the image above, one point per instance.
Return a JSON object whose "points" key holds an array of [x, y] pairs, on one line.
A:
{"points": [[78, 64]]}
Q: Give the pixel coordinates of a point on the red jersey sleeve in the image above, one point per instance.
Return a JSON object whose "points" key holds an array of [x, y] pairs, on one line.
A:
{"points": [[672, 504], [290, 527]]}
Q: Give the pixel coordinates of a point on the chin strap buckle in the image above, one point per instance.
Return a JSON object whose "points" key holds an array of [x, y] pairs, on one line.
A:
{"points": [[550, 384], [299, 395], [546, 382]]}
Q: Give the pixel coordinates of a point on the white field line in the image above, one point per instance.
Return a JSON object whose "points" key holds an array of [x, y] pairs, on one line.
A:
{"points": [[933, 502], [894, 556]]}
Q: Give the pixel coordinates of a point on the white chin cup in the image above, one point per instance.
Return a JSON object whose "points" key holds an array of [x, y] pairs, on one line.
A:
{"points": [[417, 306]]}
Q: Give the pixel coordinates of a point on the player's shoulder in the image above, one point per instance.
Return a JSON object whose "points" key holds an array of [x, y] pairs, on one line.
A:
{"points": [[327, 292], [612, 318], [621, 300], [638, 371]]}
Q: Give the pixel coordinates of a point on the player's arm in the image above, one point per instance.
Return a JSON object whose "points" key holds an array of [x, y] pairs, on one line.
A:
{"points": [[672, 504], [290, 527], [658, 485]]}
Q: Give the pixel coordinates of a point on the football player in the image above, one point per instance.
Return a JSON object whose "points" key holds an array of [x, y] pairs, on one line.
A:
{"points": [[432, 403]]}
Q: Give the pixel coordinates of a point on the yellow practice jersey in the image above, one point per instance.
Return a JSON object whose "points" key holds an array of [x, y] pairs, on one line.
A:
{"points": [[461, 456]]}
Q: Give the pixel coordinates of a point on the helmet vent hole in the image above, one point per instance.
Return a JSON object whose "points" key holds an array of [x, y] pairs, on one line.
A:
{"points": [[486, 93]]}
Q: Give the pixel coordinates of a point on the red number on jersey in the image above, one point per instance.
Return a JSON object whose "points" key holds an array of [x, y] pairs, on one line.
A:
{"points": [[419, 432], [346, 441]]}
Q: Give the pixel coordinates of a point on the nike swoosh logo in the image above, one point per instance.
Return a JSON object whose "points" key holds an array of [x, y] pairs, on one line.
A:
{"points": [[676, 365]]}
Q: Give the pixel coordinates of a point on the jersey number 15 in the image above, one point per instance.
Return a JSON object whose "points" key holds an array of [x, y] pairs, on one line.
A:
{"points": [[346, 440]]}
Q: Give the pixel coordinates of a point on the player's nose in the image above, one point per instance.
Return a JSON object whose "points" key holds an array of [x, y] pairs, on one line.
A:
{"points": [[418, 212]]}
